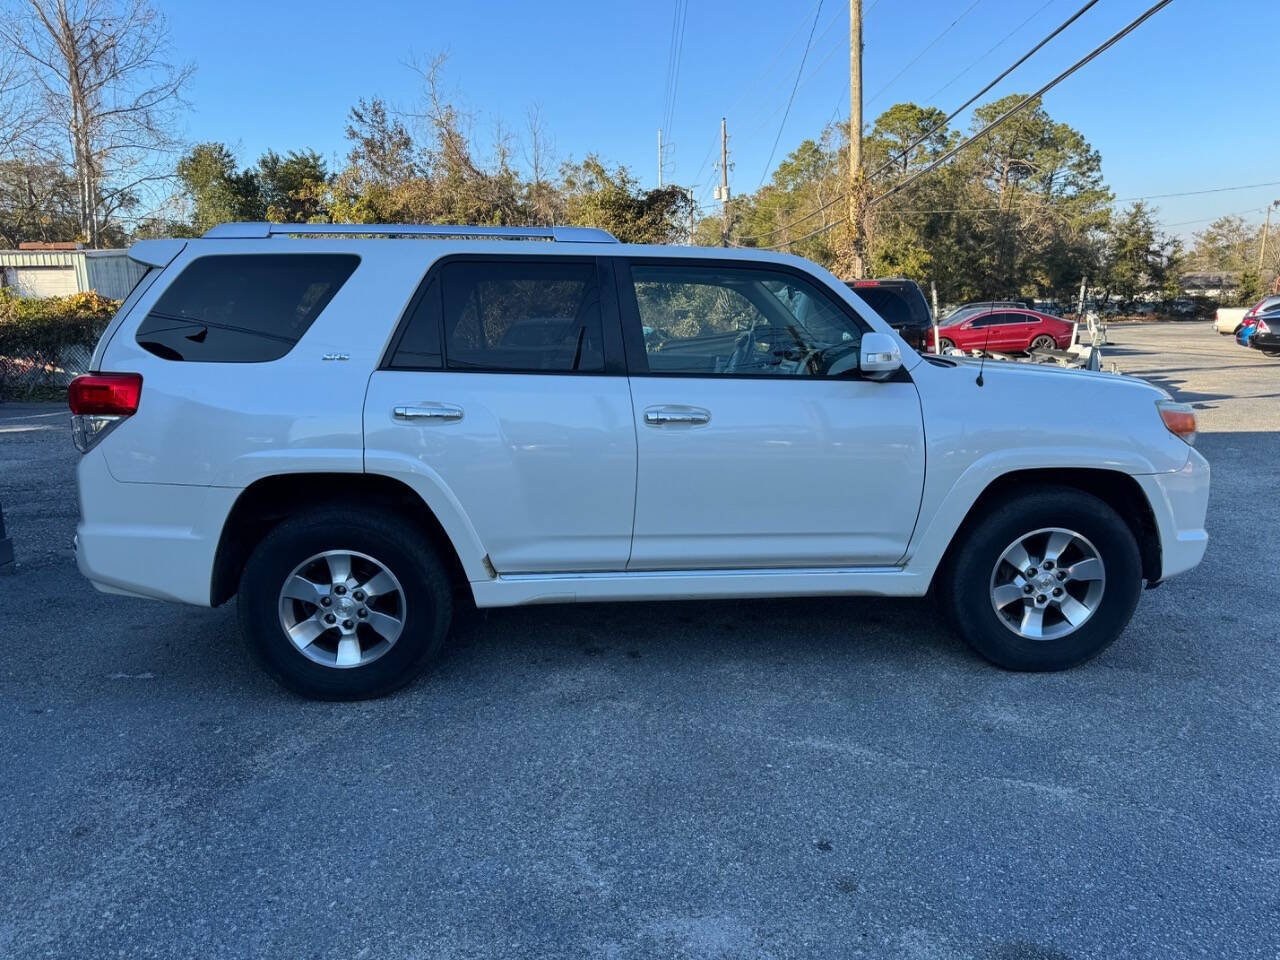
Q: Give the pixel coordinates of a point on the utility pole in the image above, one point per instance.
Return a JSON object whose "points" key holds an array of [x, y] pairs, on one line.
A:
{"points": [[1262, 252], [659, 158], [856, 196], [724, 181], [691, 216]]}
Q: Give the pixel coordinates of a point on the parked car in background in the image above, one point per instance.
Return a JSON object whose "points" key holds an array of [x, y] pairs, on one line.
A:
{"points": [[900, 303], [979, 306], [1003, 330], [1267, 304], [1265, 333], [1227, 320]]}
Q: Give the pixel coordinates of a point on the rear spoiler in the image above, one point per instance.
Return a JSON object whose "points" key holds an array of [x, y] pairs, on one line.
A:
{"points": [[156, 253]]}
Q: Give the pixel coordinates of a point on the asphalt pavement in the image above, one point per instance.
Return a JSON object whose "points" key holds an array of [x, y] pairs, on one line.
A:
{"points": [[765, 779]]}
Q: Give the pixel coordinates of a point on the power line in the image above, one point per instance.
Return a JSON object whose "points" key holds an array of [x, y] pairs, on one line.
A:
{"points": [[993, 49], [745, 88], [679, 19], [875, 96], [805, 56], [893, 160], [1018, 108]]}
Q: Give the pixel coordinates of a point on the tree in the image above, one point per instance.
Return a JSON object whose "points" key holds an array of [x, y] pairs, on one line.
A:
{"points": [[216, 192], [294, 186], [38, 201], [1139, 256], [1228, 245], [614, 201], [897, 129], [105, 83], [384, 180]]}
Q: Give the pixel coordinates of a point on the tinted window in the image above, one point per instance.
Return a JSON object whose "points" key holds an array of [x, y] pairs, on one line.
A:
{"points": [[898, 305], [720, 320], [525, 314], [419, 345], [242, 308]]}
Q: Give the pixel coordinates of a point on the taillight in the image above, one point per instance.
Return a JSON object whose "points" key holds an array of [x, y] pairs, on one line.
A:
{"points": [[1262, 327], [100, 402], [1179, 419]]}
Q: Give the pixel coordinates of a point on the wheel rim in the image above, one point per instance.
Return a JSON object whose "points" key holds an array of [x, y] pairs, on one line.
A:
{"points": [[945, 344], [1047, 584], [342, 609], [1042, 343]]}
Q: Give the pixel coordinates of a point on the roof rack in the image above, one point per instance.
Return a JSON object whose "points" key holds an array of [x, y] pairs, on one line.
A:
{"points": [[262, 230]]}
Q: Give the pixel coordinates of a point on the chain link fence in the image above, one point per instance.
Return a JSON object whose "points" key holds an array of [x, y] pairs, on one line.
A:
{"points": [[43, 377]]}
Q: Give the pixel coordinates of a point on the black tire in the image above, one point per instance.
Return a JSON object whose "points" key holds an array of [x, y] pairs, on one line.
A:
{"points": [[1043, 342], [964, 587], [945, 344], [402, 548]]}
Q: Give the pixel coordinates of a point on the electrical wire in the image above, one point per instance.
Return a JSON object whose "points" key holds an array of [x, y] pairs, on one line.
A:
{"points": [[747, 87], [893, 160], [916, 59], [1007, 36], [1017, 108], [791, 99]]}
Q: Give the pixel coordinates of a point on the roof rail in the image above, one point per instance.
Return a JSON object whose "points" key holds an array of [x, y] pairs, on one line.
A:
{"points": [[262, 230]]}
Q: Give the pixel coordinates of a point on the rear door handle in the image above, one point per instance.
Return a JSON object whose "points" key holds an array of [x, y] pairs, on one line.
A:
{"points": [[682, 416], [428, 412]]}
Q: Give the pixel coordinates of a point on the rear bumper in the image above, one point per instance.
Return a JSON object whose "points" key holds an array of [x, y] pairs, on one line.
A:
{"points": [[1265, 341], [153, 540], [1179, 501]]}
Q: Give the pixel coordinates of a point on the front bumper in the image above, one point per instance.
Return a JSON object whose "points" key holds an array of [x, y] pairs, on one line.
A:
{"points": [[1179, 502]]}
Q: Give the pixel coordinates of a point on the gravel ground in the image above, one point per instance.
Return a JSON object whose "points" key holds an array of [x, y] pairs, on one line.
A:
{"points": [[835, 778]]}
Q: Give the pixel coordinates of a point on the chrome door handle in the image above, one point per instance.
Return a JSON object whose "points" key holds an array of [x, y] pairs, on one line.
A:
{"points": [[661, 416], [431, 412]]}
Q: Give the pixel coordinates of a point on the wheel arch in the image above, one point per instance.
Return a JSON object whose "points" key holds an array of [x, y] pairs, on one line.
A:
{"points": [[1118, 490], [266, 502]]}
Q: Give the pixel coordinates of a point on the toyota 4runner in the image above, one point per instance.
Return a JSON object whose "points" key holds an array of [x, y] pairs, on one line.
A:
{"points": [[351, 429]]}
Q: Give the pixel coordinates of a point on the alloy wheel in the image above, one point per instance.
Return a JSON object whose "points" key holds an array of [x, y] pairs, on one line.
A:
{"points": [[342, 609], [1047, 584]]}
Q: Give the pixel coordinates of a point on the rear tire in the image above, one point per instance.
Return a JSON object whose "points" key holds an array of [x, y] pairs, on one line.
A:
{"points": [[971, 581], [412, 606], [945, 344], [1043, 342]]}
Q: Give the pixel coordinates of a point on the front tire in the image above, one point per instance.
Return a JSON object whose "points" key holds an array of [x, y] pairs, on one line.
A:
{"points": [[1043, 581], [342, 604]]}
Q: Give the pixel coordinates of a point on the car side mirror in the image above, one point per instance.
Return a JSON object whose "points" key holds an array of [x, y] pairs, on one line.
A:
{"points": [[879, 356]]}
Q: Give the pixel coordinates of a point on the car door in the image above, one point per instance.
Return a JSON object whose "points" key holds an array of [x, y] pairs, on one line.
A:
{"points": [[759, 443], [1017, 330], [504, 391]]}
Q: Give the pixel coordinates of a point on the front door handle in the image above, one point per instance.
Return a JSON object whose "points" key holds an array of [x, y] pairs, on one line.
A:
{"points": [[682, 416], [429, 412]]}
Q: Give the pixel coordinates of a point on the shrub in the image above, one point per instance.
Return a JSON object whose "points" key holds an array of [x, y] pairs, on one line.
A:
{"points": [[42, 341]]}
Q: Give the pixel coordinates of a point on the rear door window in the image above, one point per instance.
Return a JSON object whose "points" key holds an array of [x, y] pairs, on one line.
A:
{"points": [[242, 308], [521, 315]]}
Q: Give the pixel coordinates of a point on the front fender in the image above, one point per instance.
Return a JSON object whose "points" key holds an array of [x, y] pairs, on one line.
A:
{"points": [[945, 510]]}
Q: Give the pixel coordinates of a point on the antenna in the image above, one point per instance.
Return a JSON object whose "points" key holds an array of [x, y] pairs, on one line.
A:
{"points": [[985, 343]]}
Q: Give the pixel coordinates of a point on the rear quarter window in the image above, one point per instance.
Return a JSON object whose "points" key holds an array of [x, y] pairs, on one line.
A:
{"points": [[242, 308]]}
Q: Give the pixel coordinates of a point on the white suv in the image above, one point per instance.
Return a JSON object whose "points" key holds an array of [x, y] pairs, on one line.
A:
{"points": [[352, 428]]}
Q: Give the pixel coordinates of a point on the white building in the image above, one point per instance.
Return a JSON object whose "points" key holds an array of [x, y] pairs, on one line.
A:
{"points": [[59, 272]]}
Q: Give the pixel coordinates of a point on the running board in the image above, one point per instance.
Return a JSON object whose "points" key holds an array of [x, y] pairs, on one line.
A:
{"points": [[509, 590]]}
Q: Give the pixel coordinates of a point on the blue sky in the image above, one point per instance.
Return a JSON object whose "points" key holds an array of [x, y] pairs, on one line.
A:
{"points": [[1181, 104]]}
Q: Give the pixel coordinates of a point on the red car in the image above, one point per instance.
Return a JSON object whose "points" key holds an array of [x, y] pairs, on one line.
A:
{"points": [[1005, 330]]}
